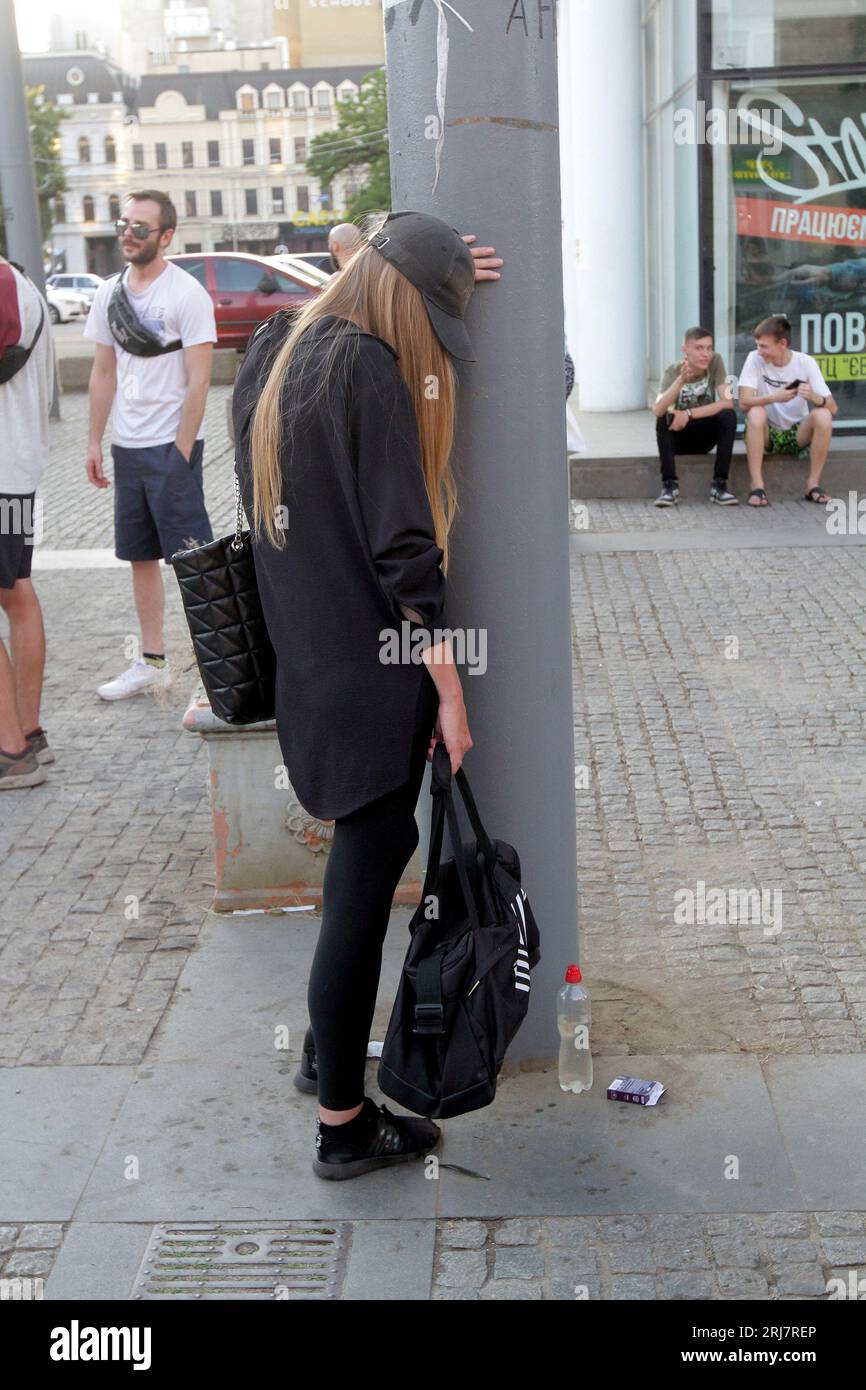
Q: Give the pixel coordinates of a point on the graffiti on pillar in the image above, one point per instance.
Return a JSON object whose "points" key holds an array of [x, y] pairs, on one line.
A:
{"points": [[441, 61], [538, 9]]}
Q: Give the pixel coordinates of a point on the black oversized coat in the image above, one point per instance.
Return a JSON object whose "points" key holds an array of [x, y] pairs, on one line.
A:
{"points": [[360, 541]]}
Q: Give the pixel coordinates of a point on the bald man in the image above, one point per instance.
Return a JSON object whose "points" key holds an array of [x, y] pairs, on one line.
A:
{"points": [[343, 242]]}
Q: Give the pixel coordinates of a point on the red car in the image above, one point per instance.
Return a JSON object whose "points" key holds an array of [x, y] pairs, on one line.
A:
{"points": [[247, 289]]}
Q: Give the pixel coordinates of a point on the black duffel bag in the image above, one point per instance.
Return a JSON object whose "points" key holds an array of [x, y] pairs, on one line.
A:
{"points": [[465, 986]]}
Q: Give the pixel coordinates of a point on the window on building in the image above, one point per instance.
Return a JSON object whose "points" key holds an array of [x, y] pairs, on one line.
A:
{"points": [[190, 203], [246, 101], [138, 156], [113, 207], [302, 193], [275, 151], [323, 99], [59, 209], [278, 199], [161, 160], [300, 149], [87, 208], [213, 154], [216, 203], [299, 99], [251, 199], [248, 151], [110, 150], [83, 150], [186, 154], [273, 100], [192, 246], [325, 197]]}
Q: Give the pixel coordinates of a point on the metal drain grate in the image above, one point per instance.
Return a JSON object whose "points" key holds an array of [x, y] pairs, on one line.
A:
{"points": [[229, 1259]]}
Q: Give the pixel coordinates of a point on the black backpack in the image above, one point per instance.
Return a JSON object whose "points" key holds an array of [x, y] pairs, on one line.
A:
{"points": [[464, 990]]}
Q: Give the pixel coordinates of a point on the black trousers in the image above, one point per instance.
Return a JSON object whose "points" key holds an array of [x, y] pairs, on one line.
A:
{"points": [[369, 851], [698, 437]]}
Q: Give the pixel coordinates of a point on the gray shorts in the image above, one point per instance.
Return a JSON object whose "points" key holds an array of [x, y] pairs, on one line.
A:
{"points": [[158, 501]]}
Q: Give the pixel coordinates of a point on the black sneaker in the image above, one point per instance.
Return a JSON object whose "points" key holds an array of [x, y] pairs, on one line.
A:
{"points": [[669, 496], [719, 493], [307, 1075], [380, 1139]]}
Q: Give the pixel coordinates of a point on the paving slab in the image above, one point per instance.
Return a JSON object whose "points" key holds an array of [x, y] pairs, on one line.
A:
{"points": [[548, 1152], [819, 1108], [55, 1122]]}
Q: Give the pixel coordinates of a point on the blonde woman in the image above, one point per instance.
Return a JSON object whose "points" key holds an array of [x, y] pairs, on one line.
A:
{"points": [[344, 423]]}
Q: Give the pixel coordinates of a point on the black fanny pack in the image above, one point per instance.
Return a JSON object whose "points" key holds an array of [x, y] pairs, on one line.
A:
{"points": [[128, 330]]}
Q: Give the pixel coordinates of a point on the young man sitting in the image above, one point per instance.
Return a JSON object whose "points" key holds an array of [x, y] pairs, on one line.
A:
{"points": [[695, 413], [777, 387]]}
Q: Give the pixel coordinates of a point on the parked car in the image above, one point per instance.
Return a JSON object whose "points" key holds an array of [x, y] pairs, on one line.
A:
{"points": [[79, 283], [247, 289], [321, 260], [64, 305]]}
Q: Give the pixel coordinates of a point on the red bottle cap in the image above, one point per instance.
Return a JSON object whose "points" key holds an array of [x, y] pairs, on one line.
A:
{"points": [[573, 975]]}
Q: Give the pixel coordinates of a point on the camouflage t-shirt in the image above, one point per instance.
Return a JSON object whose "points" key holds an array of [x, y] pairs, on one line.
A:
{"points": [[701, 391]]}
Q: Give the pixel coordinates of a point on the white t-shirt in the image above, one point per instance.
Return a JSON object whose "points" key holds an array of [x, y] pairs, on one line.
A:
{"points": [[151, 390], [25, 399], [765, 379]]}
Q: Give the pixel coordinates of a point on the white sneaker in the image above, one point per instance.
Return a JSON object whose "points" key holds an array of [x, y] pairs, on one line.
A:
{"points": [[138, 677]]}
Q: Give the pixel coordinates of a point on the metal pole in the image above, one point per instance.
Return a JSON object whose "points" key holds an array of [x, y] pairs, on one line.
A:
{"points": [[17, 180], [17, 175], [472, 107]]}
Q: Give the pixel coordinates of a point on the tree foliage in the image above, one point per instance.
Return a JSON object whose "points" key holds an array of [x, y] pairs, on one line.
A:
{"points": [[44, 120], [359, 147]]}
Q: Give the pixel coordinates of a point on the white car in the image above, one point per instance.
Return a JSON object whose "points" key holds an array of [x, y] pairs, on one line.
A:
{"points": [[80, 282], [64, 305]]}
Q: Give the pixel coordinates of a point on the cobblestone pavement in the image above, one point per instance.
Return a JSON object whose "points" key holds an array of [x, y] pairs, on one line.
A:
{"points": [[772, 1256], [598, 514], [720, 743], [105, 864]]}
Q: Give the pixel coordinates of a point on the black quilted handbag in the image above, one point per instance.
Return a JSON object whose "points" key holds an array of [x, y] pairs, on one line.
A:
{"points": [[229, 636]]}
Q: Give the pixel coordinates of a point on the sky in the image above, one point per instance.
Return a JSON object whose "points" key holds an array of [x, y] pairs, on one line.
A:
{"points": [[32, 19]]}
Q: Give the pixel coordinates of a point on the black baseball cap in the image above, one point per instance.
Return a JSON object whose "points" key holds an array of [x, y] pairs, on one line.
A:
{"points": [[436, 260]]}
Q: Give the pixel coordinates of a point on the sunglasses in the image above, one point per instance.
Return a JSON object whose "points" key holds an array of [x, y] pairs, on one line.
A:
{"points": [[140, 230]]}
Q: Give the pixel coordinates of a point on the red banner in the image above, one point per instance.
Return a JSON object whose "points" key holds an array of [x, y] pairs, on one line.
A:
{"points": [[801, 222]]}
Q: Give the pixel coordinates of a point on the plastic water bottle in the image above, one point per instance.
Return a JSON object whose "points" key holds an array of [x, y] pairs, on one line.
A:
{"points": [[574, 1016]]}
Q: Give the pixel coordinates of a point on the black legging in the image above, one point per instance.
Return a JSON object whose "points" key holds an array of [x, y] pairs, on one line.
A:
{"points": [[370, 849]]}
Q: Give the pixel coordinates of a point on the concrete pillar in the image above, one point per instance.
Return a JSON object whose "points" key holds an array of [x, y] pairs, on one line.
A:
{"points": [[487, 69]]}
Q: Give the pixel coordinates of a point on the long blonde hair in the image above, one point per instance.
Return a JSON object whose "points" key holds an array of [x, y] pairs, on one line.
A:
{"points": [[371, 293]]}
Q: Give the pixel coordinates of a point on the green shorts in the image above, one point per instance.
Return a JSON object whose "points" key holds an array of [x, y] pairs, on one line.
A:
{"points": [[785, 442]]}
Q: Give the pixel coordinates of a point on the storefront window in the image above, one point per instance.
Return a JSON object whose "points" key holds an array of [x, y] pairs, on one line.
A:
{"points": [[790, 224], [786, 33]]}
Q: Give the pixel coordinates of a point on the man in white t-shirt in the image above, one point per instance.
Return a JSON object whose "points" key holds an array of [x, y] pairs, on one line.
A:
{"points": [[777, 388], [26, 389], [157, 432]]}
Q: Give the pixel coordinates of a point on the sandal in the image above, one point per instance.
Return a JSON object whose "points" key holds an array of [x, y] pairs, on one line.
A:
{"points": [[821, 500], [758, 492]]}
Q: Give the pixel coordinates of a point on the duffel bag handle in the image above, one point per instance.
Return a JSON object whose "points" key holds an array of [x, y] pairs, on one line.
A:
{"points": [[443, 806], [441, 780]]}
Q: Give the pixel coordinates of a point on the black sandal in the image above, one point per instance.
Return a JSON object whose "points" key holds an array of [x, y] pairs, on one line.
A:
{"points": [[822, 499], [759, 492]]}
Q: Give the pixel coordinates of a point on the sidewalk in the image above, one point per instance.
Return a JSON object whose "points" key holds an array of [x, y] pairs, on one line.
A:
{"points": [[153, 1139]]}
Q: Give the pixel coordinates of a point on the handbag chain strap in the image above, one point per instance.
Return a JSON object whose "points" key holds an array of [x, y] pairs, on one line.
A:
{"points": [[237, 543]]}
